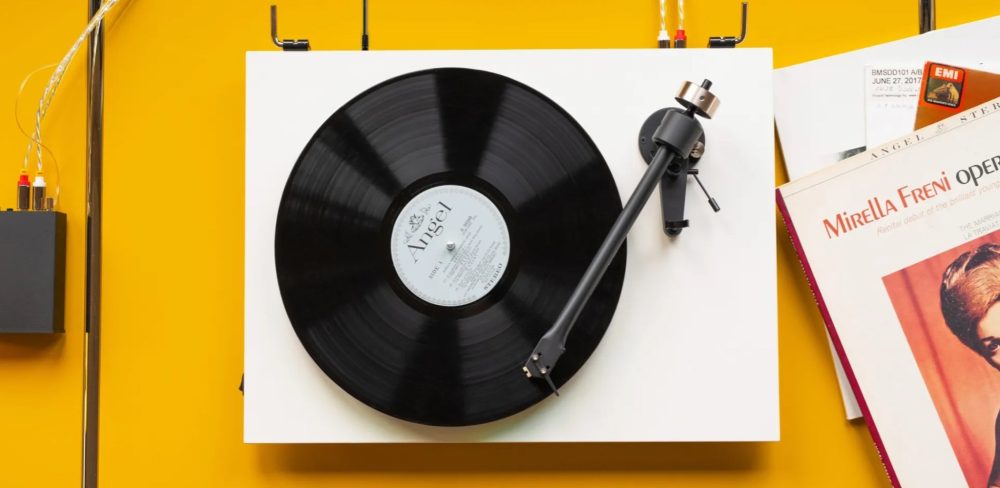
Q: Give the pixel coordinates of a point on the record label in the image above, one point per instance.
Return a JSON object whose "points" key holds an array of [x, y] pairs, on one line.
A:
{"points": [[450, 245]]}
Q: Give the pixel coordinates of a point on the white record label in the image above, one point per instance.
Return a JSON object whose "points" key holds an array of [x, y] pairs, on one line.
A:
{"points": [[450, 245]]}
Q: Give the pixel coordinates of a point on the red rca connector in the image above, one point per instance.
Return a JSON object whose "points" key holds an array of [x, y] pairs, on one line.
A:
{"points": [[680, 40], [23, 192]]}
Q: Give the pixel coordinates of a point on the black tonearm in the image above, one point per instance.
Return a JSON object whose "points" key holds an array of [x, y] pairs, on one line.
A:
{"points": [[678, 134]]}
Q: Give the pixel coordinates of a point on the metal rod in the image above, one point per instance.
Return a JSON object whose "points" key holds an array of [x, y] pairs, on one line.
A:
{"points": [[743, 23], [95, 170], [928, 20], [274, 26], [364, 25]]}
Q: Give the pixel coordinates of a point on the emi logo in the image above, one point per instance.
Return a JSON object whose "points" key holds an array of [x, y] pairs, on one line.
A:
{"points": [[944, 85]]}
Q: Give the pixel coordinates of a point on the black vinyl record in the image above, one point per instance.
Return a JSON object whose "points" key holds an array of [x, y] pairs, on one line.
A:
{"points": [[430, 233]]}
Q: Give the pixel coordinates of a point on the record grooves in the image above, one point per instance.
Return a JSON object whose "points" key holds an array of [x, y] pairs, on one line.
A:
{"points": [[430, 233]]}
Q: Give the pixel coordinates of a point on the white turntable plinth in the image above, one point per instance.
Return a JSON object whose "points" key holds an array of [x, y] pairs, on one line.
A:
{"points": [[691, 354]]}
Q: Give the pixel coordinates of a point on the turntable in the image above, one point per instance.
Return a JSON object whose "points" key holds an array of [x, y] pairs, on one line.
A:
{"points": [[417, 221]]}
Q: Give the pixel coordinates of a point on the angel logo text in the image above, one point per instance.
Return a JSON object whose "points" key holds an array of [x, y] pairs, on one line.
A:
{"points": [[435, 226]]}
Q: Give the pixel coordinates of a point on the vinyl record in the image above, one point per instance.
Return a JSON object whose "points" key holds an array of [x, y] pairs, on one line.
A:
{"points": [[430, 233]]}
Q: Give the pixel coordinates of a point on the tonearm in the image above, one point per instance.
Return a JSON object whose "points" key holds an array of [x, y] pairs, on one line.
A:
{"points": [[672, 141]]}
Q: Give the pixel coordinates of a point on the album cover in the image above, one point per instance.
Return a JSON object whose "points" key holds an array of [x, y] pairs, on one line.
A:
{"points": [[900, 245]]}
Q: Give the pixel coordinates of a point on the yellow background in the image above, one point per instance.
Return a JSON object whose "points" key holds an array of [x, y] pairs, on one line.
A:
{"points": [[171, 414]]}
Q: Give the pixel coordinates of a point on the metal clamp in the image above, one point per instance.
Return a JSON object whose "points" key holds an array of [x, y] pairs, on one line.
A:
{"points": [[285, 44], [729, 41]]}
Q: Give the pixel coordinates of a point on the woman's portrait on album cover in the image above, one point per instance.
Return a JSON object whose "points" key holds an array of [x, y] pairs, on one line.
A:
{"points": [[949, 309]]}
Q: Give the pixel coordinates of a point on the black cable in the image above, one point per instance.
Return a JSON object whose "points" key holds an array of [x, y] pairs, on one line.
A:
{"points": [[364, 25]]}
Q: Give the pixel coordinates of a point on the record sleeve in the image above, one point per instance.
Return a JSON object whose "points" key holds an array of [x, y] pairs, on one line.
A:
{"points": [[901, 247]]}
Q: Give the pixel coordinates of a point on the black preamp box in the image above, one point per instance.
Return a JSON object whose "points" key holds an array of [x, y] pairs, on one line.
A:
{"points": [[32, 271]]}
